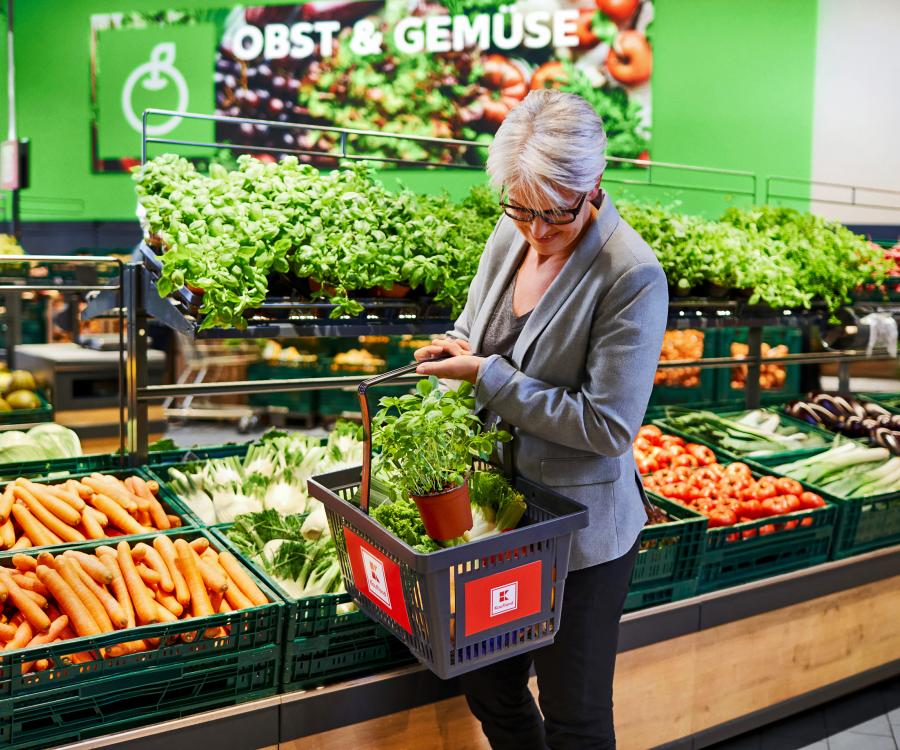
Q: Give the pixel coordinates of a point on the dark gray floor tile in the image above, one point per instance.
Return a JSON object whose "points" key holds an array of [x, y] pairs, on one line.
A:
{"points": [[821, 745], [855, 710], [856, 741], [806, 727], [751, 741]]}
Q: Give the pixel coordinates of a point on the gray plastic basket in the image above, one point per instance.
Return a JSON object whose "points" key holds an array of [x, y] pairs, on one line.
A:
{"points": [[464, 607]]}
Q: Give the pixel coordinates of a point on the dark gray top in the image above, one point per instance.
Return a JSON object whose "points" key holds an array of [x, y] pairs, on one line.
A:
{"points": [[504, 327]]}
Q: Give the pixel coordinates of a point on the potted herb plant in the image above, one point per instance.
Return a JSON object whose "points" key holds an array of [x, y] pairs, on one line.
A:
{"points": [[428, 441]]}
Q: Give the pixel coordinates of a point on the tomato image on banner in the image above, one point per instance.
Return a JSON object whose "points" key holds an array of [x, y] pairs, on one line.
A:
{"points": [[503, 597], [378, 579]]}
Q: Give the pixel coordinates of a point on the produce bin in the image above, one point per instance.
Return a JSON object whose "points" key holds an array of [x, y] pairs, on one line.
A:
{"points": [[774, 336], [177, 456], [105, 704], [249, 629], [168, 499], [728, 412], [43, 413], [669, 559], [298, 403], [686, 344], [862, 524], [53, 468]]}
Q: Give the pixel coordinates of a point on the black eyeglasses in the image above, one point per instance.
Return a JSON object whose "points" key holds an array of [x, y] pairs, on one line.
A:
{"points": [[551, 216]]}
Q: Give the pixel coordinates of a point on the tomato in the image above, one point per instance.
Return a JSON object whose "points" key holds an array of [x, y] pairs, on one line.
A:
{"points": [[618, 10], [792, 502], [550, 75], [671, 440], [703, 454], [583, 30], [751, 510], [806, 522], [765, 491], [641, 443], [646, 466], [673, 450], [630, 59], [792, 524], [748, 534], [684, 460], [769, 528], [738, 469], [775, 506], [788, 486], [506, 87], [811, 500], [722, 517], [650, 432], [682, 473]]}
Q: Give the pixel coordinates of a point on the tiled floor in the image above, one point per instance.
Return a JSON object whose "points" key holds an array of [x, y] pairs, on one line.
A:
{"points": [[868, 720]]}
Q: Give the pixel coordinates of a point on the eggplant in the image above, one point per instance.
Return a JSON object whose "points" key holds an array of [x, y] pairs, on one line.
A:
{"points": [[869, 424], [849, 407], [827, 401], [814, 414], [875, 410], [895, 421], [852, 426]]}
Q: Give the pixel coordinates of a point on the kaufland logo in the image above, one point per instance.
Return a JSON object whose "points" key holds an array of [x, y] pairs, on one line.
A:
{"points": [[376, 579], [504, 598]]}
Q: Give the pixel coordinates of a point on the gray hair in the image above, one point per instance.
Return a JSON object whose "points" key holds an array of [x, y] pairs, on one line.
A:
{"points": [[552, 141]]}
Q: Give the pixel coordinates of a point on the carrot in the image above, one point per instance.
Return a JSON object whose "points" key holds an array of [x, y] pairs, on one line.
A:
{"points": [[215, 580], [6, 503], [22, 636], [91, 565], [216, 598], [170, 603], [68, 496], [64, 512], [148, 576], [33, 528], [72, 606], [7, 534], [118, 517], [24, 563], [163, 614], [23, 542], [187, 563], [112, 488], [143, 518], [225, 607], [118, 587], [92, 529], [99, 517], [31, 583], [154, 561], [123, 649], [42, 514], [69, 570], [4, 592], [114, 610], [82, 490], [41, 601], [138, 553], [157, 513], [25, 604], [7, 631], [42, 639], [144, 608], [105, 549], [153, 486], [243, 580], [199, 544], [166, 549], [45, 558], [175, 521]]}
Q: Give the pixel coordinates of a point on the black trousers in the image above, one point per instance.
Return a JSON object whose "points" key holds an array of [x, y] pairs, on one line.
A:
{"points": [[575, 673]]}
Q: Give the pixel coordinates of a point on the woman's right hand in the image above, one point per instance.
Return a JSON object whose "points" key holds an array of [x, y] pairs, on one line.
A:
{"points": [[442, 348]]}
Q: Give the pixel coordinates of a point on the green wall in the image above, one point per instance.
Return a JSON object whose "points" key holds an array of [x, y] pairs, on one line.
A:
{"points": [[732, 88]]}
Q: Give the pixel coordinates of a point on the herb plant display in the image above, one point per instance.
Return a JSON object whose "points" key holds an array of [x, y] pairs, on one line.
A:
{"points": [[229, 234]]}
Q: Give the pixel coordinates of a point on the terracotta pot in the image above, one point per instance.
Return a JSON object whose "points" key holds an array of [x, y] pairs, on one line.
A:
{"points": [[397, 291], [446, 514], [194, 289], [315, 286]]}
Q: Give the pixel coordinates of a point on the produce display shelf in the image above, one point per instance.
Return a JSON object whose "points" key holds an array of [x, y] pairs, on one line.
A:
{"points": [[705, 391], [175, 456], [82, 709], [691, 312], [669, 558], [52, 468], [773, 336], [43, 413], [863, 523], [247, 629]]}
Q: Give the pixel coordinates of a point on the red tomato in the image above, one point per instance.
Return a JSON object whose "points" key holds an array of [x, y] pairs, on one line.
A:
{"points": [[703, 454], [646, 466], [789, 486], [671, 440], [673, 449], [641, 443], [722, 517], [583, 30], [807, 522], [792, 502], [506, 87], [630, 59], [751, 510], [792, 524], [811, 500], [684, 459], [765, 491], [550, 75], [769, 528], [748, 534], [618, 10], [651, 432], [775, 506], [737, 469]]}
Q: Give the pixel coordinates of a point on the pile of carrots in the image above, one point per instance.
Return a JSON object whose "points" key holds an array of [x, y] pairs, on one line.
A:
{"points": [[95, 507], [50, 598]]}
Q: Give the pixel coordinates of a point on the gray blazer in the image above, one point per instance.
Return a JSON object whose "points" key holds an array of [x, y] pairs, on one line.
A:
{"points": [[577, 385]]}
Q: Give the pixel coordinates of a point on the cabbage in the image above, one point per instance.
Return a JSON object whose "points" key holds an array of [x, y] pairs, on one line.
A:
{"points": [[55, 440], [17, 453], [13, 437]]}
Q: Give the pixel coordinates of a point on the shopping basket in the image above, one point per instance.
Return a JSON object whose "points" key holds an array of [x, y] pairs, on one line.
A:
{"points": [[460, 608]]}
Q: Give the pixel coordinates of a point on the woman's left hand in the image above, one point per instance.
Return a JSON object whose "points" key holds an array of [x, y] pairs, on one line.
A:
{"points": [[460, 365]]}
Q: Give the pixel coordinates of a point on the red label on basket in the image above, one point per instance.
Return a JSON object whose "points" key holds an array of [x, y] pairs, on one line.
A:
{"points": [[378, 578], [503, 597]]}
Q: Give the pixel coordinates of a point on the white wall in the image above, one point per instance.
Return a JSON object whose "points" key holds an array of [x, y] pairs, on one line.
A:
{"points": [[856, 122]]}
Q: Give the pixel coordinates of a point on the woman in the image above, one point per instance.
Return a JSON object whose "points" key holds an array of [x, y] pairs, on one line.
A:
{"points": [[561, 336]]}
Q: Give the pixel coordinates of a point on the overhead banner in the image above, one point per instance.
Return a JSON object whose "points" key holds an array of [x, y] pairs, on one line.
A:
{"points": [[403, 67]]}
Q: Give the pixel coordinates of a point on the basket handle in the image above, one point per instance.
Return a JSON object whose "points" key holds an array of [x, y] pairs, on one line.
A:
{"points": [[367, 424]]}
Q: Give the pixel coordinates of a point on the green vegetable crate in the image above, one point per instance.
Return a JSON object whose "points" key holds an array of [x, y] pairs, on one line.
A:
{"points": [[728, 412], [705, 392], [145, 695], [774, 336], [63, 468], [177, 456], [863, 523], [43, 413], [298, 403], [248, 629], [669, 559]]}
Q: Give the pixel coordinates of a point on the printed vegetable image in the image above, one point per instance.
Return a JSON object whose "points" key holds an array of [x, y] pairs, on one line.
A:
{"points": [[506, 87], [50, 598], [93, 507], [728, 495], [630, 60]]}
